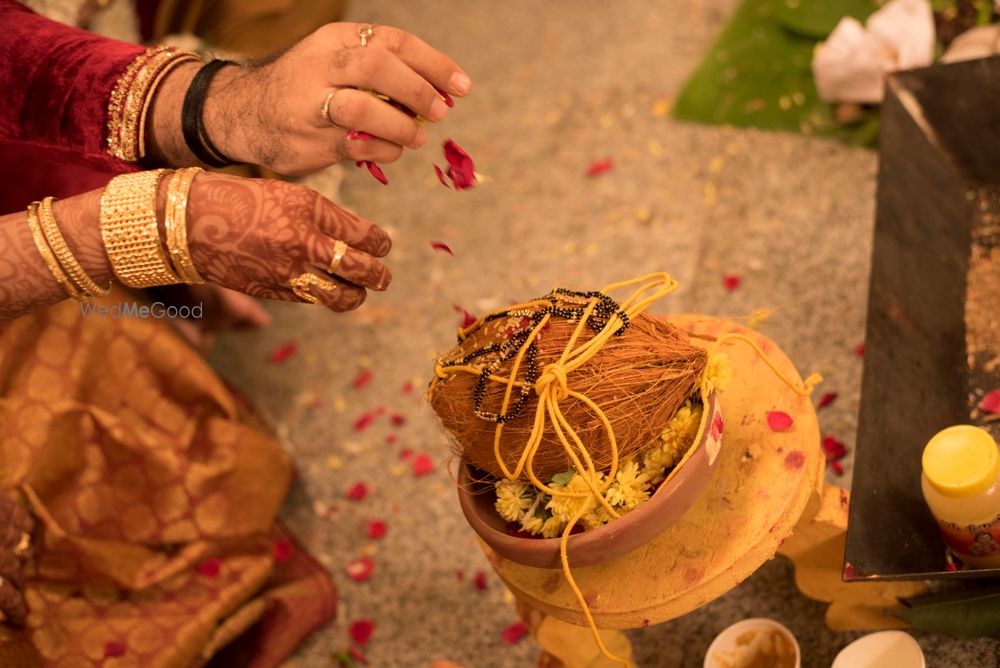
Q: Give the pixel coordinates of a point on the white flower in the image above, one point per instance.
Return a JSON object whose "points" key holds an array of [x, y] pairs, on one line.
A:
{"points": [[851, 65]]}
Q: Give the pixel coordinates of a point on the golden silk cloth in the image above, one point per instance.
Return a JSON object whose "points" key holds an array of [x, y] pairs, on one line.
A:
{"points": [[155, 497]]}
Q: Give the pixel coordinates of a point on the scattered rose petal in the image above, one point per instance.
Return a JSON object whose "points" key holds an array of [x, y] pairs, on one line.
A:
{"points": [[361, 630], [422, 465], [600, 166], [374, 170], [461, 169], [731, 282], [513, 633], [834, 451], [859, 350], [991, 402], [365, 420], [826, 400], [467, 318], [391, 438], [283, 550], [480, 580], [114, 648], [397, 419], [408, 387], [440, 175], [405, 453], [377, 529], [357, 491], [283, 351], [460, 574], [443, 247], [779, 420], [361, 569], [362, 379], [357, 655], [359, 135], [447, 98], [210, 568], [403, 108]]}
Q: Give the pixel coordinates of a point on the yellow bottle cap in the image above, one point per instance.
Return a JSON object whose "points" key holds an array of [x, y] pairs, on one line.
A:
{"points": [[961, 461]]}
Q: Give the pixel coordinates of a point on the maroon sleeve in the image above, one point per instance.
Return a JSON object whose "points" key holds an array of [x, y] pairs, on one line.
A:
{"points": [[55, 82]]}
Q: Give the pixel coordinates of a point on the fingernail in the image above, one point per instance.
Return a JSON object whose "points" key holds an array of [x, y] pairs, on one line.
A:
{"points": [[421, 137], [438, 109], [460, 83]]}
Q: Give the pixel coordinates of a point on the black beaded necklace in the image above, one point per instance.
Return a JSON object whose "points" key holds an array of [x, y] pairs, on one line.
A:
{"points": [[597, 321]]}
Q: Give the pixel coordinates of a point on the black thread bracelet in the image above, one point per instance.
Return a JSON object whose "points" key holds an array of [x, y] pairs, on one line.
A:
{"points": [[193, 116]]}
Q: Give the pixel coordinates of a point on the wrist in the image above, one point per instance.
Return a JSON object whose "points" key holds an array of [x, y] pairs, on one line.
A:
{"points": [[165, 142], [79, 221], [227, 110]]}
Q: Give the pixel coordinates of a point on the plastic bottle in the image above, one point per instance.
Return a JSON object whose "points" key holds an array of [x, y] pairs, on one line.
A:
{"points": [[961, 484]]}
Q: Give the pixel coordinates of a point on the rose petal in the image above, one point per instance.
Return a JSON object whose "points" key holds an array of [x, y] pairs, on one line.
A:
{"points": [[377, 529], [397, 419], [361, 569], [460, 574], [731, 281], [374, 170], [365, 420], [362, 379], [361, 630], [779, 420], [468, 320], [114, 648], [480, 580], [283, 550], [403, 108], [440, 175], [210, 568], [405, 453], [513, 633], [443, 247], [859, 350], [600, 166], [283, 351], [391, 438], [359, 135], [461, 169], [447, 98], [991, 402], [826, 400], [408, 387], [357, 491], [422, 465]]}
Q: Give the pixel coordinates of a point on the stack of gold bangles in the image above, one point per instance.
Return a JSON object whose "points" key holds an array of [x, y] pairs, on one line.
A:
{"points": [[131, 233], [60, 260]]}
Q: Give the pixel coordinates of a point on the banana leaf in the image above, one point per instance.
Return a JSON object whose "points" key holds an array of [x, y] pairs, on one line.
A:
{"points": [[963, 614], [759, 71]]}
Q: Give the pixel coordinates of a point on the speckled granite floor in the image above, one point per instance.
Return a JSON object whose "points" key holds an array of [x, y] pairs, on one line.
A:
{"points": [[557, 86]]}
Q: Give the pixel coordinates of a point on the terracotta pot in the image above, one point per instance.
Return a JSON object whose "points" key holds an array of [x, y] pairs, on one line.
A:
{"points": [[611, 540]]}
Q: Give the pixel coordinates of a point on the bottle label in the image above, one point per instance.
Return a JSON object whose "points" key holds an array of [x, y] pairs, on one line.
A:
{"points": [[978, 540]]}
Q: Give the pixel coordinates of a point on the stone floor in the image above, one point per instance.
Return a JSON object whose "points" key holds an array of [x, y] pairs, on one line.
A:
{"points": [[557, 86]]}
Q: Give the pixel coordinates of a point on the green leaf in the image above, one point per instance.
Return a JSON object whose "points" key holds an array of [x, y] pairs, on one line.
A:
{"points": [[816, 18], [759, 74], [563, 478], [967, 614]]}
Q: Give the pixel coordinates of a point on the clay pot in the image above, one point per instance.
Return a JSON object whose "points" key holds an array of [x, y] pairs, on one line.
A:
{"points": [[611, 540]]}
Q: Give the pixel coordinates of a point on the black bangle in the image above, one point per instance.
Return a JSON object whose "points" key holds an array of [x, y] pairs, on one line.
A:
{"points": [[192, 116]]}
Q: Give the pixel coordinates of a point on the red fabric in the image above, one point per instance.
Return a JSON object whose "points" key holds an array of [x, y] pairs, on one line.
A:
{"points": [[56, 81]]}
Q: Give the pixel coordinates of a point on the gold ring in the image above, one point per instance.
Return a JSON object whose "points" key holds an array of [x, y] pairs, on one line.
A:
{"points": [[23, 544], [301, 284], [324, 111], [339, 251], [366, 32]]}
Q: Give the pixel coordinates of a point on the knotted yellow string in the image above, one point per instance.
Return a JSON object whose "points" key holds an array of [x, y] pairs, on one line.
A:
{"points": [[552, 387]]}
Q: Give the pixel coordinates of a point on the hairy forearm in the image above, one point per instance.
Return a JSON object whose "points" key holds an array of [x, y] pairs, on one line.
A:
{"points": [[26, 284]]}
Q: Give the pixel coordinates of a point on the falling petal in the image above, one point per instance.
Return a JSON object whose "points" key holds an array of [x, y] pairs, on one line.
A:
{"points": [[377, 529], [513, 633], [779, 421], [408, 387], [361, 569], [374, 170], [405, 453], [467, 318], [357, 491], [359, 135], [422, 465], [443, 247], [391, 438], [991, 402], [283, 351], [365, 420], [600, 166], [461, 169], [440, 175], [361, 630], [397, 419], [826, 400], [480, 581], [731, 281], [362, 379], [859, 350]]}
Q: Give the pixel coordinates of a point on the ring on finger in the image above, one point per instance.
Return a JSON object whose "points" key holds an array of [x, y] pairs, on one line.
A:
{"points": [[324, 110], [300, 286], [366, 32], [339, 251]]}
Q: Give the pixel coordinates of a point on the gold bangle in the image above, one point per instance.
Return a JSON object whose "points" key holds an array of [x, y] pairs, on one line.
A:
{"points": [[130, 232], [43, 249], [67, 261], [175, 224], [131, 96]]}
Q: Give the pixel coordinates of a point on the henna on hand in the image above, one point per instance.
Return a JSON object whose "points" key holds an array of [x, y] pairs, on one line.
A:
{"points": [[255, 235]]}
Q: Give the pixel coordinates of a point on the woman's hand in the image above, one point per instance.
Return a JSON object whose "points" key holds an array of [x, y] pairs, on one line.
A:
{"points": [[256, 235], [272, 114]]}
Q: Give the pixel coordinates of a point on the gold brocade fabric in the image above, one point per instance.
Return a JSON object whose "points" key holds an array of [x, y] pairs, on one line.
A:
{"points": [[154, 498]]}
